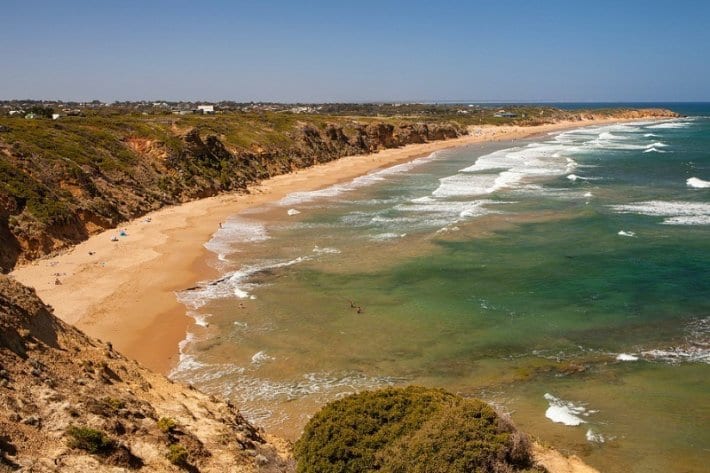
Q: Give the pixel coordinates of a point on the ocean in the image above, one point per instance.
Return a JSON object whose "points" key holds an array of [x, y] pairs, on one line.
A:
{"points": [[563, 278]]}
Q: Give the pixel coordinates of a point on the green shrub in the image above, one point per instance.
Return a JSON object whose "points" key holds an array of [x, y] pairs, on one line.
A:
{"points": [[90, 440], [413, 429], [166, 424], [177, 454]]}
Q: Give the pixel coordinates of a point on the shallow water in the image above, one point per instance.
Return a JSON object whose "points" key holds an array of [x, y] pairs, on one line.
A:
{"points": [[564, 279]]}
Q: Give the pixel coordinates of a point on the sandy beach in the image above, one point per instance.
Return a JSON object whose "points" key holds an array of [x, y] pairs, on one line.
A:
{"points": [[124, 291]]}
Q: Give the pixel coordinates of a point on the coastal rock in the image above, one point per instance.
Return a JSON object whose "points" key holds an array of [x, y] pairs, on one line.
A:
{"points": [[96, 426]]}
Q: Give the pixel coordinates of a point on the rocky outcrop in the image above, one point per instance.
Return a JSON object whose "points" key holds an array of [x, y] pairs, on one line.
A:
{"points": [[72, 403]]}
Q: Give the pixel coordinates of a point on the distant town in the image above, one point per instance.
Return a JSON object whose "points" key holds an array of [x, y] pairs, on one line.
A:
{"points": [[57, 109]]}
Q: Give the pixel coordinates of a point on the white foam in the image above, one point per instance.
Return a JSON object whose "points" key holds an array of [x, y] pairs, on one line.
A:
{"points": [[200, 319], [675, 213], [326, 250], [670, 125], [654, 150], [574, 177], [695, 349], [594, 437], [387, 236], [564, 412], [609, 136], [293, 212], [588, 194], [626, 357], [233, 284], [678, 355], [234, 232], [697, 183], [260, 357], [650, 135], [626, 234], [362, 181]]}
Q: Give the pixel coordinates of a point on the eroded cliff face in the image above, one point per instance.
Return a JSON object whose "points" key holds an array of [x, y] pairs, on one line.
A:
{"points": [[51, 200], [72, 403]]}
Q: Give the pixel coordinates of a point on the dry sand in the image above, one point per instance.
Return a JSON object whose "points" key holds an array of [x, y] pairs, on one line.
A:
{"points": [[124, 292]]}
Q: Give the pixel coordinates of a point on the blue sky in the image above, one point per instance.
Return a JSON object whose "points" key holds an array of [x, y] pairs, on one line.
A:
{"points": [[356, 50]]}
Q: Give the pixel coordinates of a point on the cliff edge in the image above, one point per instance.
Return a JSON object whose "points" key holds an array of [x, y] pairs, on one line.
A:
{"points": [[71, 403]]}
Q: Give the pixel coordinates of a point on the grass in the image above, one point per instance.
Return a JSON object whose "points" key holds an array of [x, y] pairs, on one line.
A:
{"points": [[177, 455], [166, 424], [90, 440]]}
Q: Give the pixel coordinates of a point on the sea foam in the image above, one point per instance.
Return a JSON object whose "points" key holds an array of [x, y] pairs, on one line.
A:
{"points": [[564, 412], [697, 183], [675, 213], [233, 232], [359, 182], [626, 357]]}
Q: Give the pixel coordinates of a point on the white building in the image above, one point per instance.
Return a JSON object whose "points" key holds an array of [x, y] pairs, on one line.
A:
{"points": [[205, 108]]}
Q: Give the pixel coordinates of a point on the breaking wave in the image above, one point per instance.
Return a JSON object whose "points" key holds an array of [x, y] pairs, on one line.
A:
{"points": [[675, 213]]}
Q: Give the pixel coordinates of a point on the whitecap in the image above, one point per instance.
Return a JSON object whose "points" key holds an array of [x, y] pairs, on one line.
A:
{"points": [[594, 437], [626, 357], [564, 412], [326, 250], [387, 236], [695, 349], [260, 357], [361, 181], [292, 212], [654, 150], [669, 125], [675, 213], [626, 234], [697, 183]]}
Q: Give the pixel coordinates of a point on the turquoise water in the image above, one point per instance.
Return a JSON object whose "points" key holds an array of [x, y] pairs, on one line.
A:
{"points": [[562, 278]]}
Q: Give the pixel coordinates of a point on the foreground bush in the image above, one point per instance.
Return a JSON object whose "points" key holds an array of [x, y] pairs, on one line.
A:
{"points": [[410, 430], [90, 440]]}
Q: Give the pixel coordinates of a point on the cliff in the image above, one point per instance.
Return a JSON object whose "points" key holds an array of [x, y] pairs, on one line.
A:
{"points": [[63, 181], [72, 403]]}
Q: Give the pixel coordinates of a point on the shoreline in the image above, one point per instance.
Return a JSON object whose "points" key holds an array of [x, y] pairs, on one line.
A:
{"points": [[124, 292]]}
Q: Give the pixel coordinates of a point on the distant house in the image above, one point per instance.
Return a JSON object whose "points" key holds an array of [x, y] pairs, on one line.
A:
{"points": [[15, 112], [55, 116], [205, 109], [504, 114]]}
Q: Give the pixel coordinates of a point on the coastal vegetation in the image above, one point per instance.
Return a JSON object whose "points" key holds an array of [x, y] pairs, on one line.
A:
{"points": [[411, 429]]}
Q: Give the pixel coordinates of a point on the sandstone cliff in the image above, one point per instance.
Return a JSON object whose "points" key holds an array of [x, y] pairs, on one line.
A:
{"points": [[61, 182], [72, 403]]}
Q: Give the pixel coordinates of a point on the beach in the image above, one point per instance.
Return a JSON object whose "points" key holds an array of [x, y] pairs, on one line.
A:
{"points": [[124, 291]]}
